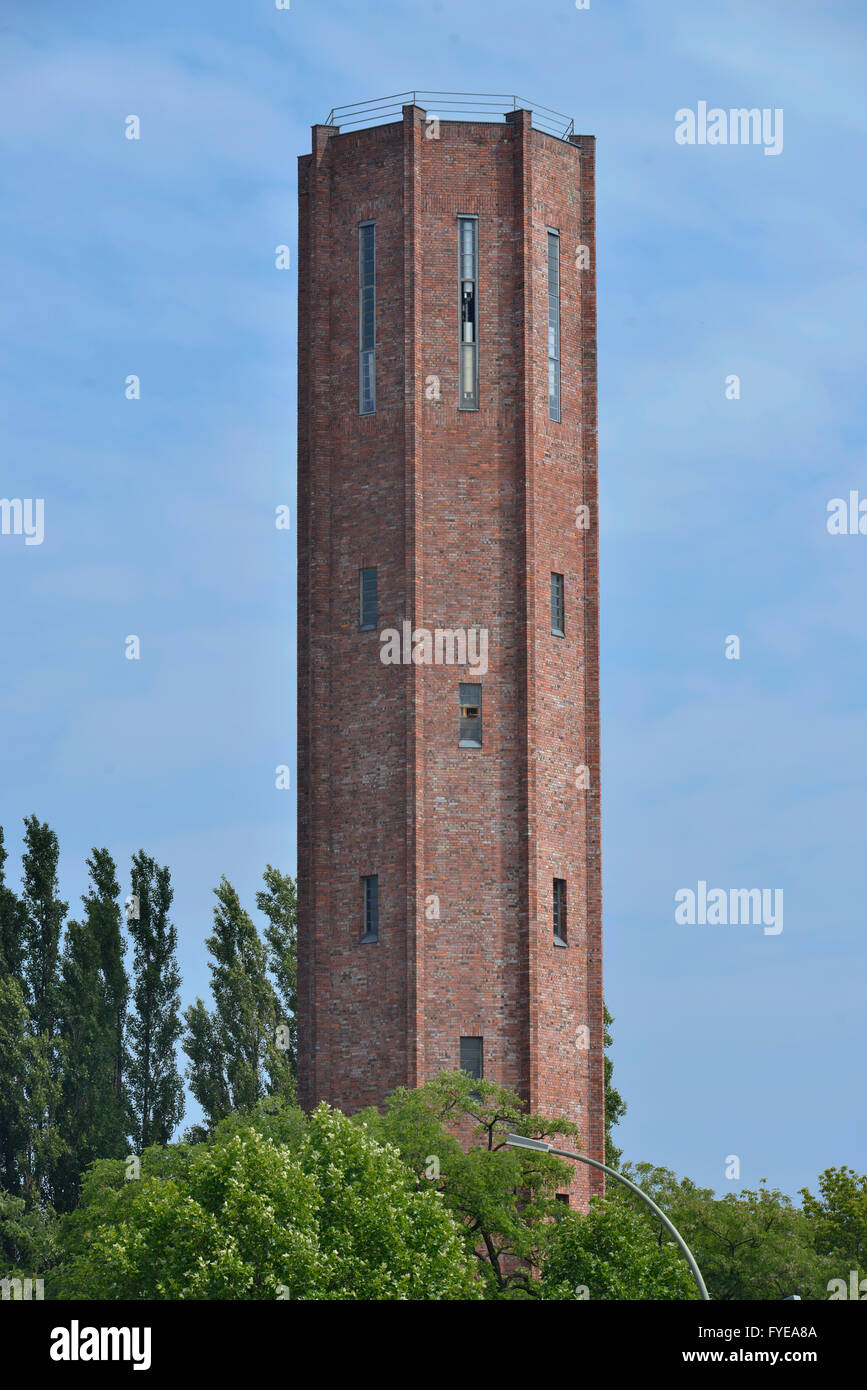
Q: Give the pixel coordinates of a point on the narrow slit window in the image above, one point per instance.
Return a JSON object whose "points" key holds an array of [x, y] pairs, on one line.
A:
{"points": [[468, 347], [471, 1057], [553, 325], [560, 923], [558, 605], [470, 729], [370, 886], [368, 606], [367, 318]]}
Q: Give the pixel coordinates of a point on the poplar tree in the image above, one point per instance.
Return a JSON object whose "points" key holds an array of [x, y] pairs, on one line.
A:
{"points": [[235, 1057], [15, 1037], [279, 902], [11, 922], [12, 1021], [29, 1100], [115, 981], [154, 1087], [92, 1009], [615, 1105], [44, 915]]}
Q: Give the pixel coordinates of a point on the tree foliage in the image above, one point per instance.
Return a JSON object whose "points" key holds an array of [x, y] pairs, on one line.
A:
{"points": [[92, 997], [270, 1206], [14, 1023], [754, 1244], [615, 1105], [12, 922], [43, 923], [278, 901], [613, 1253], [235, 1057], [838, 1219], [27, 1238], [505, 1199], [154, 1088], [29, 1100]]}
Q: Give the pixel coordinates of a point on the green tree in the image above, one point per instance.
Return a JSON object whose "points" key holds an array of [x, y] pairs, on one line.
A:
{"points": [[44, 917], [92, 1117], [244, 1214], [27, 1238], [236, 1221], [748, 1245], [838, 1219], [154, 1088], [12, 952], [505, 1199], [387, 1238], [615, 1105], [278, 900], [29, 1099], [12, 923], [613, 1253], [234, 1054], [105, 913]]}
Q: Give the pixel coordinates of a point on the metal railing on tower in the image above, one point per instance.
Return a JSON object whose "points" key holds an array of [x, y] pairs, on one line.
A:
{"points": [[466, 106]]}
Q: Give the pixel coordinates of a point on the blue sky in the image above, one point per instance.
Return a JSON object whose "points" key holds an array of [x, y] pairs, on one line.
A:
{"points": [[156, 257]]}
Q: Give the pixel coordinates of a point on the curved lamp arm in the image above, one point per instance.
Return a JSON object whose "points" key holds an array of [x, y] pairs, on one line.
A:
{"points": [[517, 1141]]}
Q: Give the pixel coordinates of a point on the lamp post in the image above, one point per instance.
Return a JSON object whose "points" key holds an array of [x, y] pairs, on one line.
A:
{"points": [[518, 1141]]}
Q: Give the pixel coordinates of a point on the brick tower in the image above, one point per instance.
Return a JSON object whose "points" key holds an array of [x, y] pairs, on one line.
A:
{"points": [[449, 840]]}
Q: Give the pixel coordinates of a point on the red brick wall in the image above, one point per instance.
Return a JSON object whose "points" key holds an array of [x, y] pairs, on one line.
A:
{"points": [[465, 514]]}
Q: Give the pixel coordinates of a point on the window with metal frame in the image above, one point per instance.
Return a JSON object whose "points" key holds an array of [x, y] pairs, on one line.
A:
{"points": [[367, 599], [367, 318], [560, 924], [472, 1060], [558, 605], [470, 728], [553, 325], [468, 347], [370, 885]]}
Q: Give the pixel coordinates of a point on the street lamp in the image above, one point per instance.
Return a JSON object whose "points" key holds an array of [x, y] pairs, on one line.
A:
{"points": [[518, 1141]]}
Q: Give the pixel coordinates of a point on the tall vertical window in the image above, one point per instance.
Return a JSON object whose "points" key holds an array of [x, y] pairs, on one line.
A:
{"points": [[370, 885], [471, 1057], [553, 325], [366, 318], [560, 925], [558, 606], [470, 729], [367, 598], [468, 348]]}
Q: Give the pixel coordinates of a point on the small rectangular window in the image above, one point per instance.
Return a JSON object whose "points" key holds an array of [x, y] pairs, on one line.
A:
{"points": [[471, 1057], [370, 885], [558, 605], [367, 617], [553, 325], [562, 1197], [560, 923], [468, 347], [367, 318], [470, 729]]}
